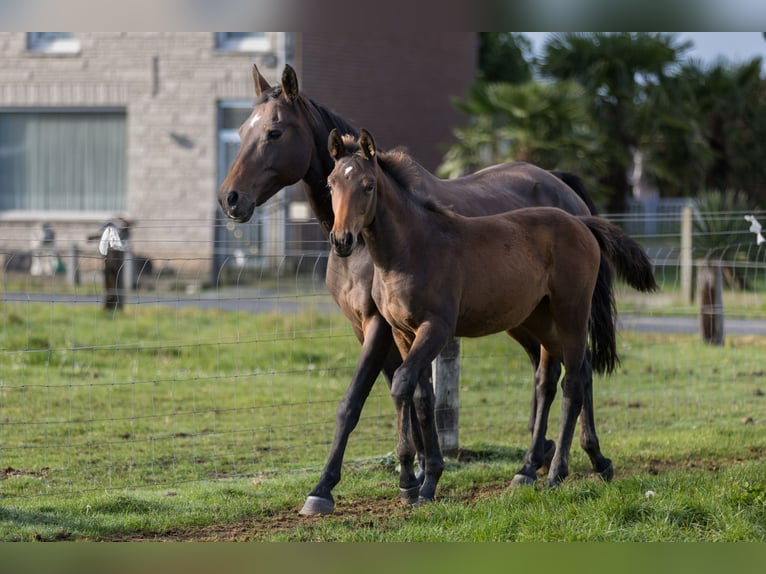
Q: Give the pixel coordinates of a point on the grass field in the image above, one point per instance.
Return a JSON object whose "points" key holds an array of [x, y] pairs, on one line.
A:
{"points": [[161, 423]]}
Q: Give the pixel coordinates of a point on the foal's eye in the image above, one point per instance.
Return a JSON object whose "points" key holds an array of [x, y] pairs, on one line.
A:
{"points": [[273, 134], [369, 188]]}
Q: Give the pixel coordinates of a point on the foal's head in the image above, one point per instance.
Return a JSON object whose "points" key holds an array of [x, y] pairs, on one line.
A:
{"points": [[352, 183]]}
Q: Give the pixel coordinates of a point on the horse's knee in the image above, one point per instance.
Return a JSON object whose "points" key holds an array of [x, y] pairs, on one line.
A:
{"points": [[402, 386]]}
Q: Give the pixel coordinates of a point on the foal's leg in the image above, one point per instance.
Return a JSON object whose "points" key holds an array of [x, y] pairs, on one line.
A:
{"points": [[588, 439], [411, 388], [577, 373], [551, 369], [545, 391], [377, 349]]}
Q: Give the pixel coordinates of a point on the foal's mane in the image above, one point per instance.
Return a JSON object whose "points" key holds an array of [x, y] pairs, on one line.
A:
{"points": [[405, 172]]}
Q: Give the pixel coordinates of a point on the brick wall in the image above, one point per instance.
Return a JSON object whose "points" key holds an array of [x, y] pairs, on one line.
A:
{"points": [[398, 85], [171, 125]]}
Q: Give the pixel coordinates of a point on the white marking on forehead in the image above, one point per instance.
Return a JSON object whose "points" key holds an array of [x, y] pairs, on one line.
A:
{"points": [[256, 117], [348, 170]]}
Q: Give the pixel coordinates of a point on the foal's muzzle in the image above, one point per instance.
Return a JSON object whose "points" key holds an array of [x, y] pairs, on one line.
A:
{"points": [[342, 243]]}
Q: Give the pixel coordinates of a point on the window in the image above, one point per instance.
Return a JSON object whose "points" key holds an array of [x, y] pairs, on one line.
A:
{"points": [[243, 41], [53, 42], [57, 160]]}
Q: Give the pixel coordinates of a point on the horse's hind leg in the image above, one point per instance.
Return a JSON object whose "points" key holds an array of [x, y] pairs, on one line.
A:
{"points": [[539, 452], [544, 373], [576, 377], [588, 438]]}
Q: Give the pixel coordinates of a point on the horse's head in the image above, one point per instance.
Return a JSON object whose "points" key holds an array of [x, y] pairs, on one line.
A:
{"points": [[275, 150], [352, 184]]}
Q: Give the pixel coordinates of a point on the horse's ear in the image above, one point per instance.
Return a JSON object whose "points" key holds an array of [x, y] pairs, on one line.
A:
{"points": [[261, 85], [289, 83], [335, 144], [367, 143]]}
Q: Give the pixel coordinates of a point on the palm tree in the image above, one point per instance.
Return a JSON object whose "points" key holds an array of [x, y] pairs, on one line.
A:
{"points": [[619, 72], [543, 123]]}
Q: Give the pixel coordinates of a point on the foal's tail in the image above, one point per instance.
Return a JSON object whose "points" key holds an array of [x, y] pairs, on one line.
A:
{"points": [[630, 261], [622, 253]]}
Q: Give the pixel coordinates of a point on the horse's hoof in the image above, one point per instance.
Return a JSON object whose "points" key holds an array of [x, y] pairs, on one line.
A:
{"points": [[423, 500], [410, 496], [607, 473], [316, 505], [522, 480]]}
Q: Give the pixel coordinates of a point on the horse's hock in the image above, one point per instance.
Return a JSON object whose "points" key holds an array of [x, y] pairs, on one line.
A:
{"points": [[710, 291]]}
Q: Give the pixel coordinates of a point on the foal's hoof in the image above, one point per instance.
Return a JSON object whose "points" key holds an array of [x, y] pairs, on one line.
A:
{"points": [[423, 500], [522, 480], [607, 473], [410, 496], [316, 505]]}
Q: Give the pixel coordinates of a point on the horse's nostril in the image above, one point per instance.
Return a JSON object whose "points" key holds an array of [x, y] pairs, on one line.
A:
{"points": [[232, 198], [348, 239]]}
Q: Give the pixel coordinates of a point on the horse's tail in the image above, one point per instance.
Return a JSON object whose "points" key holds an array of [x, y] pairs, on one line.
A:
{"points": [[630, 261], [578, 186], [622, 253]]}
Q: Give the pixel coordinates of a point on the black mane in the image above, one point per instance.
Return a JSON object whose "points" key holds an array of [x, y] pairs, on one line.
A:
{"points": [[406, 173]]}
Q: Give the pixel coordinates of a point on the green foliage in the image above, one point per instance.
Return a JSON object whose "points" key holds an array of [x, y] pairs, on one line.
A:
{"points": [[720, 231], [697, 127]]}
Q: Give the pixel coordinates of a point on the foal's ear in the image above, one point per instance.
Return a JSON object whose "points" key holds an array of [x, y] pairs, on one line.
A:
{"points": [[261, 85], [367, 143], [289, 83], [335, 144]]}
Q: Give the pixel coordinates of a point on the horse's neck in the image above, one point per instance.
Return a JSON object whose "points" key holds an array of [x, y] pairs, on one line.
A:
{"points": [[399, 228], [322, 121]]}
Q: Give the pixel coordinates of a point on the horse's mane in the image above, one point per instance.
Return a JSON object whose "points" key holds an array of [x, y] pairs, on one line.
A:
{"points": [[406, 173]]}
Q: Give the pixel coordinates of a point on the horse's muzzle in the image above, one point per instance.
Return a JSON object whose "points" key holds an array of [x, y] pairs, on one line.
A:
{"points": [[343, 244], [234, 205]]}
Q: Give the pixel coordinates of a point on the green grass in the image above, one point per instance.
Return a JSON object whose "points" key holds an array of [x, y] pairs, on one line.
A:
{"points": [[159, 422]]}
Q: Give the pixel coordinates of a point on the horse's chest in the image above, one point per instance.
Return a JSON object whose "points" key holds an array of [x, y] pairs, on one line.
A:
{"points": [[399, 301]]}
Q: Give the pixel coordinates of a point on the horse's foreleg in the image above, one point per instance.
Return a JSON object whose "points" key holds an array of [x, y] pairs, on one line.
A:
{"points": [[411, 387], [589, 439], [389, 368], [376, 347], [540, 449]]}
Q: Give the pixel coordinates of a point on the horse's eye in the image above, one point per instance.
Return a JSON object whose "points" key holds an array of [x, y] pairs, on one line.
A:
{"points": [[273, 134], [370, 187]]}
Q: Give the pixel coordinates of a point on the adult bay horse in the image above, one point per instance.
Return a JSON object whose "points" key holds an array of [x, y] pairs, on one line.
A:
{"points": [[283, 141], [440, 275]]}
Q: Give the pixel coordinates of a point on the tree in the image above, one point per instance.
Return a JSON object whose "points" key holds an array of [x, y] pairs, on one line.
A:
{"points": [[619, 72], [543, 123], [505, 57]]}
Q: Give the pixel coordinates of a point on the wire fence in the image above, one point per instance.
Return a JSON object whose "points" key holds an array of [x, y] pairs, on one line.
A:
{"points": [[218, 367]]}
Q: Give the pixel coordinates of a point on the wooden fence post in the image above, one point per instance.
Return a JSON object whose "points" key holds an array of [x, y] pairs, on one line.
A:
{"points": [[710, 289], [446, 381]]}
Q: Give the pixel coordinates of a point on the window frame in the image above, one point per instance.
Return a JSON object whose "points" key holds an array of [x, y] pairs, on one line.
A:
{"points": [[29, 214], [255, 42], [44, 43]]}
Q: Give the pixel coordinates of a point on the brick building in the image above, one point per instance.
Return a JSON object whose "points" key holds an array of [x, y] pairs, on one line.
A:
{"points": [[142, 126]]}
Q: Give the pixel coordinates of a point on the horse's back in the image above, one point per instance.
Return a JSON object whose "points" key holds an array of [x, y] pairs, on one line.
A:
{"points": [[506, 187]]}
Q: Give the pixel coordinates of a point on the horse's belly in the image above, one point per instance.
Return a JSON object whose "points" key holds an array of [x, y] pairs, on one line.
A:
{"points": [[493, 316]]}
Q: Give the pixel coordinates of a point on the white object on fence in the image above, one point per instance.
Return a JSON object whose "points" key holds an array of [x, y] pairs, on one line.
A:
{"points": [[755, 227], [110, 239]]}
